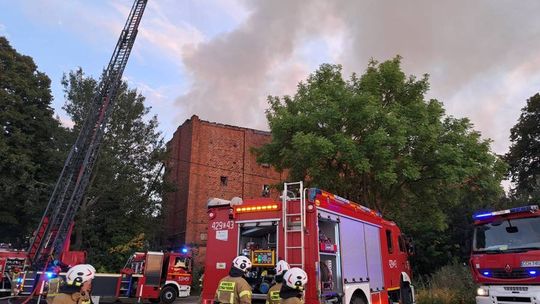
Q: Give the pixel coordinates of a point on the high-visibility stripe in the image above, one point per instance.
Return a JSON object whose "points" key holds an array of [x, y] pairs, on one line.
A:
{"points": [[393, 288], [226, 286], [274, 295], [245, 293]]}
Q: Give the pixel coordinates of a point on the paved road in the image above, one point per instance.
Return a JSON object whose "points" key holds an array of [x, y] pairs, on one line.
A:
{"points": [[188, 300]]}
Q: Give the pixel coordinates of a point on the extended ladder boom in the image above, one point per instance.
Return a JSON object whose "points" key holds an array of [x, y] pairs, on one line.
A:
{"points": [[71, 185]]}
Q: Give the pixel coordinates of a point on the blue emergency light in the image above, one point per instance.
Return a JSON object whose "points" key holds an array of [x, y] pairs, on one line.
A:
{"points": [[184, 250], [532, 272], [483, 215], [49, 274], [486, 273]]}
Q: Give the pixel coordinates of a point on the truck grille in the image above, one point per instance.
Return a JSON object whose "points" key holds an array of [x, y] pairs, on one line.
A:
{"points": [[516, 273], [514, 299], [516, 288]]}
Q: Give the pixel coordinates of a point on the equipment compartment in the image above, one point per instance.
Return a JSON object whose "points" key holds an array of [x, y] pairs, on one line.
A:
{"points": [[330, 263], [258, 241]]}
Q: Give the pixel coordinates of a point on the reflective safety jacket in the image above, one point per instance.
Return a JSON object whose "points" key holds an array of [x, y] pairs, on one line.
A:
{"points": [[292, 300], [61, 293], [233, 290], [272, 297], [75, 298]]}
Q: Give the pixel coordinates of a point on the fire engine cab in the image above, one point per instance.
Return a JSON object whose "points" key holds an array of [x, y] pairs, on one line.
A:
{"points": [[505, 258], [350, 253], [11, 264], [153, 275]]}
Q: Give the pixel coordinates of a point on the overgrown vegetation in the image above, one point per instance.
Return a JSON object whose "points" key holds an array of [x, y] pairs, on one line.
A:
{"points": [[452, 284], [33, 145]]}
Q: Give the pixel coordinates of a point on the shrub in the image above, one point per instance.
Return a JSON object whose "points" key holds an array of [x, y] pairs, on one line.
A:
{"points": [[452, 284]]}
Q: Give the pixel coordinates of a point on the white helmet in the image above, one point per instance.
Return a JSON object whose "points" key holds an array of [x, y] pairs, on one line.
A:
{"points": [[241, 262], [281, 267], [79, 274], [295, 278]]}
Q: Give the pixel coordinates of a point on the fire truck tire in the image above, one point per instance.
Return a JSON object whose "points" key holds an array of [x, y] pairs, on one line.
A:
{"points": [[358, 299], [168, 294]]}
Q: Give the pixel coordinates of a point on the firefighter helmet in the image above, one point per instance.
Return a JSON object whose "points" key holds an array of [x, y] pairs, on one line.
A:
{"points": [[281, 267], [241, 262], [79, 274], [295, 278]]}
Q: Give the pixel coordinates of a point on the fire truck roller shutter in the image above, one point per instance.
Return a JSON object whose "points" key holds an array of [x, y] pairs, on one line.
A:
{"points": [[353, 251], [374, 258]]}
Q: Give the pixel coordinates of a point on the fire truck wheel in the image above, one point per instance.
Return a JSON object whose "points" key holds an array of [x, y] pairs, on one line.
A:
{"points": [[357, 299], [168, 294]]}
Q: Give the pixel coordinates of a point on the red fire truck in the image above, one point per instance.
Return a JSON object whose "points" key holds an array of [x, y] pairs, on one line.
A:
{"points": [[505, 257], [350, 253], [152, 275], [11, 264]]}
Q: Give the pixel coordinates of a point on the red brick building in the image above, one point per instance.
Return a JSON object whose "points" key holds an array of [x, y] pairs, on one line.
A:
{"points": [[209, 160]]}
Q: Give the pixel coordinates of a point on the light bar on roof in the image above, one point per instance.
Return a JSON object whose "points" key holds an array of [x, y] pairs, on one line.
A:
{"points": [[483, 215], [259, 208]]}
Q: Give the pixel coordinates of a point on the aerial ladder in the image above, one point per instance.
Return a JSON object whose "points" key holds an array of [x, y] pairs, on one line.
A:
{"points": [[54, 230]]}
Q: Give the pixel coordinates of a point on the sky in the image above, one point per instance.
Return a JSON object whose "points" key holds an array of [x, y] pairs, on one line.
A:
{"points": [[220, 59]]}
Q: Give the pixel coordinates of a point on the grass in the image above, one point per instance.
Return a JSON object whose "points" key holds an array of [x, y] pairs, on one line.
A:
{"points": [[452, 284]]}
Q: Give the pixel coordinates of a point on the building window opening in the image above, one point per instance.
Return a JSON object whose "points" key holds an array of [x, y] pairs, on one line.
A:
{"points": [[266, 191], [224, 180]]}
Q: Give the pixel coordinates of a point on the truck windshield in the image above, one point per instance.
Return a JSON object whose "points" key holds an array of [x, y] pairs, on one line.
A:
{"points": [[508, 235]]}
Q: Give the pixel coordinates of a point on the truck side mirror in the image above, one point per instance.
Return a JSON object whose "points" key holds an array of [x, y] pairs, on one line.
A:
{"points": [[411, 249], [512, 229]]}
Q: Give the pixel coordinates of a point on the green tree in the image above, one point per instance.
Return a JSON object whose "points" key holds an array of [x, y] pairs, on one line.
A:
{"points": [[32, 144], [524, 155], [119, 213], [376, 140]]}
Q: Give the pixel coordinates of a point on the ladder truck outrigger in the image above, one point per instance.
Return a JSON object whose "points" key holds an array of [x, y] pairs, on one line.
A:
{"points": [[350, 253], [147, 275]]}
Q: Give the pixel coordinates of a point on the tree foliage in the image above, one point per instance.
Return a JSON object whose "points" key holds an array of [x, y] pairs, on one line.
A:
{"points": [[32, 145], [120, 210], [376, 140], [524, 155]]}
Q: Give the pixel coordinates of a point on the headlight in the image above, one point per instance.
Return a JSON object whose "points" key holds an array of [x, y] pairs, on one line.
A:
{"points": [[482, 291]]}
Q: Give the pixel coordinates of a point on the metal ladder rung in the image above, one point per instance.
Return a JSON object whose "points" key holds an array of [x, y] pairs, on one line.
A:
{"points": [[294, 226]]}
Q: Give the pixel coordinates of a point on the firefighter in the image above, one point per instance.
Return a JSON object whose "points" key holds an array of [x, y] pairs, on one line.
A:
{"points": [[234, 289], [292, 292], [272, 297], [77, 286]]}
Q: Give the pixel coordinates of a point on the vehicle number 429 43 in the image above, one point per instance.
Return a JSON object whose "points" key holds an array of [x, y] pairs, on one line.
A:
{"points": [[220, 225]]}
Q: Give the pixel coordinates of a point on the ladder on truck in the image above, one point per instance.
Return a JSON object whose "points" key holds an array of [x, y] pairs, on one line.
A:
{"points": [[294, 224], [53, 232]]}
